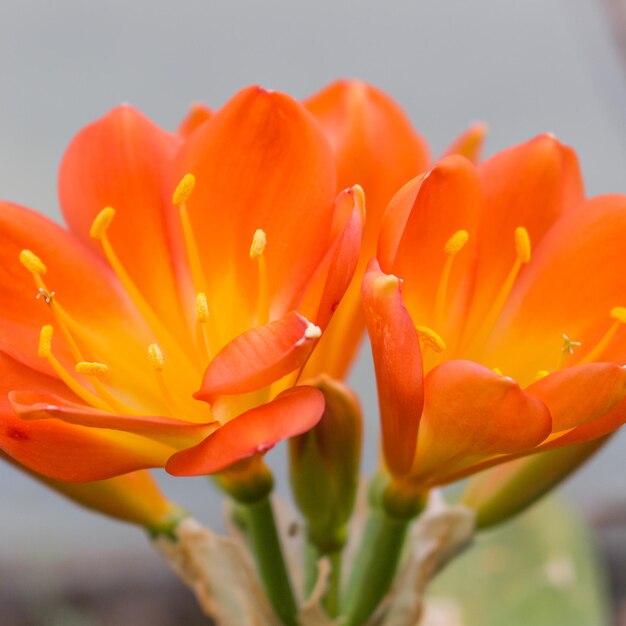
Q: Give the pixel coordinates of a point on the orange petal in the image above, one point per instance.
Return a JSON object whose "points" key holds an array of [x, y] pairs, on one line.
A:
{"points": [[471, 413], [31, 405], [570, 286], [292, 412], [447, 200], [398, 363], [64, 451], [470, 143], [196, 116], [84, 287], [259, 357], [121, 161], [588, 431], [342, 331], [375, 145], [343, 260], [529, 185], [581, 394], [261, 162]]}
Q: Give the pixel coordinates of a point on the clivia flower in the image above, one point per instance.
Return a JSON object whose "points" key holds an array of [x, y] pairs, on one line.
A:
{"points": [[167, 326], [496, 312]]}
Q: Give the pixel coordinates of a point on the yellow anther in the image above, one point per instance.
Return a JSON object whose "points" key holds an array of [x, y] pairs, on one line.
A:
{"points": [[202, 308], [312, 332], [430, 339], [497, 370], [619, 313], [102, 222], [541, 374], [45, 341], [155, 356], [184, 189], [456, 242], [259, 241], [91, 368], [522, 244], [32, 263]]}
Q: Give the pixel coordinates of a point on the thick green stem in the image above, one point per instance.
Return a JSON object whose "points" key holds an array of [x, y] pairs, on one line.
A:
{"points": [[375, 566], [331, 598], [265, 544], [312, 556]]}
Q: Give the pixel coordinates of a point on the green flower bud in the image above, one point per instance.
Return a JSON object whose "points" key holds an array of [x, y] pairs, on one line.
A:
{"points": [[324, 466]]}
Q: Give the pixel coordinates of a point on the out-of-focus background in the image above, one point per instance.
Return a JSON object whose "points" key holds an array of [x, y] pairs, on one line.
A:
{"points": [[523, 67]]}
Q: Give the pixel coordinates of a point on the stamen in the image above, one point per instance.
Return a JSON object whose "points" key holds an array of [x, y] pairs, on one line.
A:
{"points": [[257, 253], [618, 315], [184, 189], [94, 369], [430, 339], [523, 255], [37, 269], [453, 246], [541, 374], [157, 360], [32, 263], [45, 351], [259, 241], [179, 199], [101, 223], [568, 348], [202, 317], [98, 231], [497, 370], [91, 368]]}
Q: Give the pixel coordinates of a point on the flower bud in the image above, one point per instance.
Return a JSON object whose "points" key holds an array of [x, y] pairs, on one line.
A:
{"points": [[324, 466], [504, 491]]}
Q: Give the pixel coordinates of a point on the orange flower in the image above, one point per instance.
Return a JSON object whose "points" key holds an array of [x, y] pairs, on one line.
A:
{"points": [[376, 146], [169, 330], [495, 311]]}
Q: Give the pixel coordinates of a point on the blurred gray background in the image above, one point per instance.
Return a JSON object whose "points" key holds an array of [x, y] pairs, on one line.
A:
{"points": [[523, 67]]}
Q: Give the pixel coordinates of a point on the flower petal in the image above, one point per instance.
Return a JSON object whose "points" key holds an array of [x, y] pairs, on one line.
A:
{"points": [[31, 405], [291, 413], [581, 394], [469, 143], [446, 201], [530, 185], [398, 364], [471, 413], [64, 451], [196, 116], [572, 283], [261, 162], [121, 160], [259, 357], [103, 317]]}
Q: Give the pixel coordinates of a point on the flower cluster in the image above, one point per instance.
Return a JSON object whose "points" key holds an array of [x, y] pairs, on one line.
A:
{"points": [[213, 285]]}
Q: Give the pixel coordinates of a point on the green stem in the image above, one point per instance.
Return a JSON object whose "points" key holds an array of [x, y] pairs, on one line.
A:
{"points": [[331, 598], [375, 566], [265, 544], [333, 583]]}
